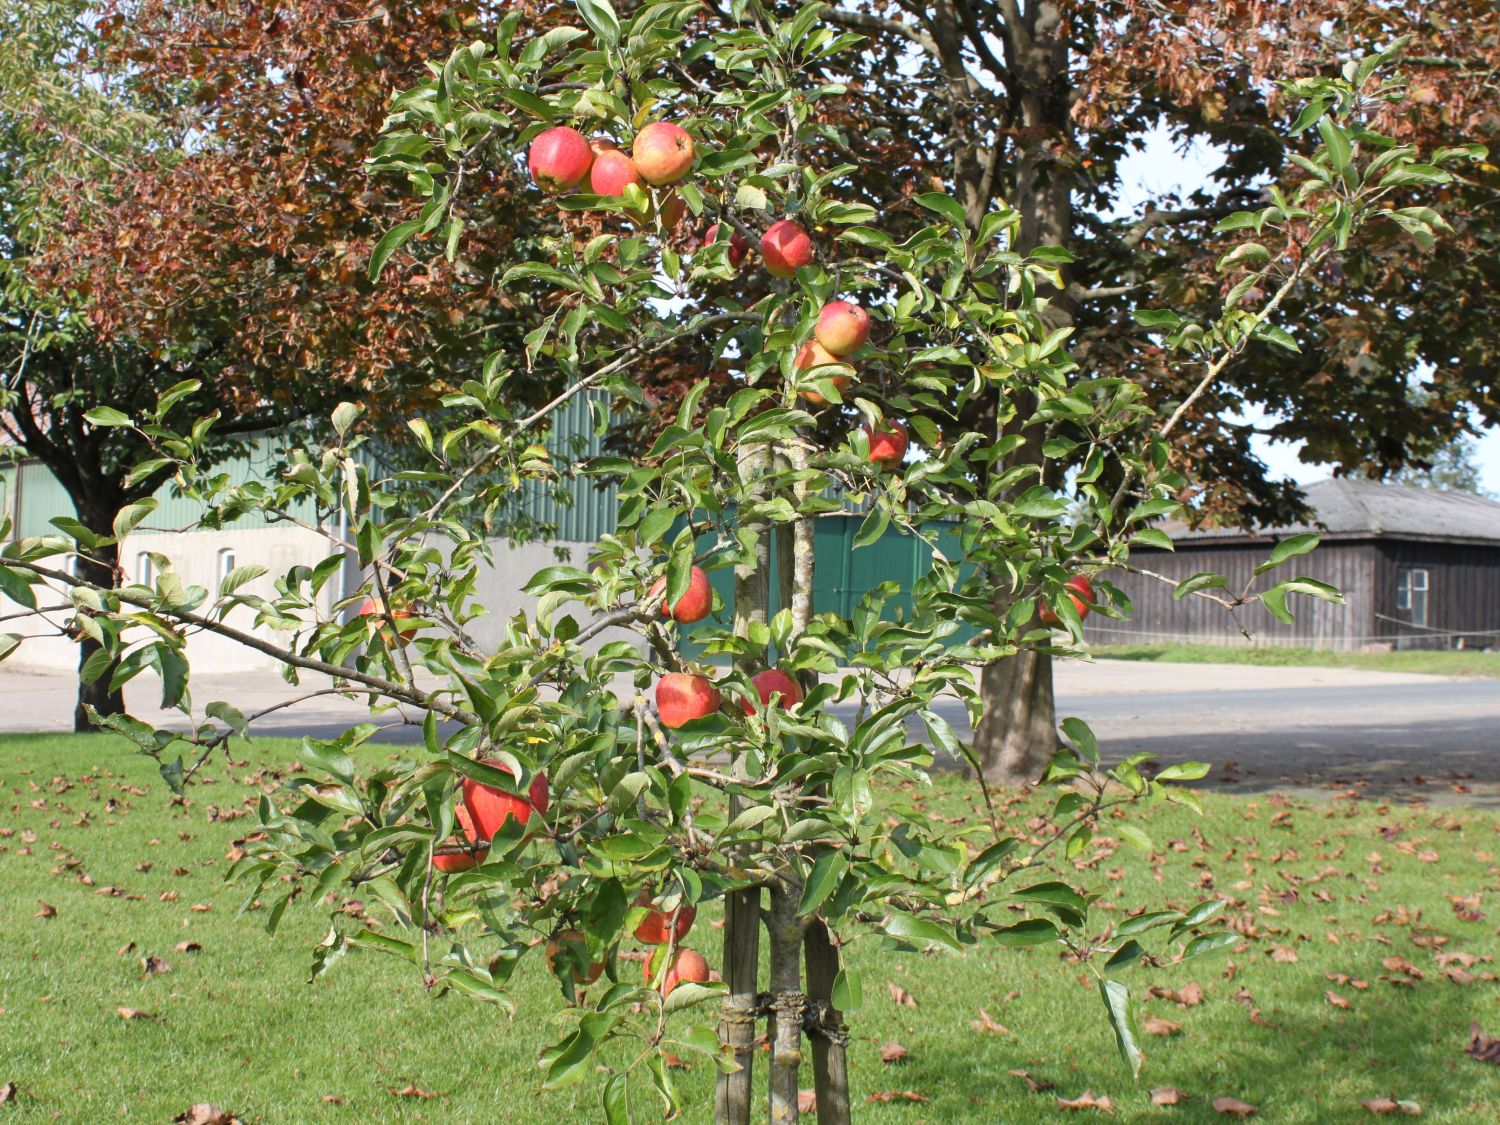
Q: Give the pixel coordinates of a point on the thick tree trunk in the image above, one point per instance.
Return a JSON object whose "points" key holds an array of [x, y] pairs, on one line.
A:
{"points": [[1018, 731], [99, 566]]}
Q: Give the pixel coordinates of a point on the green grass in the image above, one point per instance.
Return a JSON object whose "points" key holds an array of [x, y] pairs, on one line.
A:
{"points": [[236, 1024], [1424, 662]]}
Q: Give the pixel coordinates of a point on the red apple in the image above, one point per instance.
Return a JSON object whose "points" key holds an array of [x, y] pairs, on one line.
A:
{"points": [[559, 158], [1082, 593], [693, 605], [843, 327], [815, 355], [887, 446], [771, 682], [450, 862], [372, 607], [687, 965], [785, 246], [682, 697], [656, 927], [663, 153], [737, 245], [612, 172], [490, 808], [575, 950]]}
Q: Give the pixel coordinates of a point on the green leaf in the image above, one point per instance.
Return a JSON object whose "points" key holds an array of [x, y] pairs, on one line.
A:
{"points": [[826, 872], [1184, 771], [907, 928], [389, 243], [107, 416], [1288, 548], [130, 516], [1033, 931], [601, 18], [1203, 580], [945, 205], [1122, 1019], [1340, 151]]}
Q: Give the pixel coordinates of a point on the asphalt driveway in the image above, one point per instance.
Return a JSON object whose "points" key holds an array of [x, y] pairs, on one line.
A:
{"points": [[1331, 732]]}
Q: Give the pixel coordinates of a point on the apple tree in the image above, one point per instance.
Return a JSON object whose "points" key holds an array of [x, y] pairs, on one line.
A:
{"points": [[581, 789]]}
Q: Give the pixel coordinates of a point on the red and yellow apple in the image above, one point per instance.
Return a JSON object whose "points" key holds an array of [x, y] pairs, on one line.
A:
{"points": [[559, 158], [573, 949], [687, 965], [888, 445], [373, 607], [785, 247], [1081, 592], [843, 327], [612, 171], [773, 681], [737, 245], [694, 605], [682, 697], [663, 153], [656, 927], [490, 808], [815, 355]]}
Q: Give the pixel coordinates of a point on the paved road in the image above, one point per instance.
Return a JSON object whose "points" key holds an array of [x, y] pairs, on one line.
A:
{"points": [[1325, 731]]}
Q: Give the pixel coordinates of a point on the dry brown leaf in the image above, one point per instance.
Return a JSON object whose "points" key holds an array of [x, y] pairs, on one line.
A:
{"points": [[136, 1014], [1384, 1106], [900, 996], [1086, 1100], [205, 1114], [332, 1099], [893, 1052], [201, 907], [674, 1061], [8, 1093], [1166, 1095], [1485, 1048], [1036, 1086], [1233, 1107], [1284, 955], [187, 947], [985, 1023], [47, 910], [1155, 1025], [1336, 1000], [410, 1090], [807, 1101], [896, 1096], [153, 965]]}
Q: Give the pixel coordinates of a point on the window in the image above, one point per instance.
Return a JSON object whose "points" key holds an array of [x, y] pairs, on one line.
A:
{"points": [[145, 570], [1411, 594], [226, 563]]}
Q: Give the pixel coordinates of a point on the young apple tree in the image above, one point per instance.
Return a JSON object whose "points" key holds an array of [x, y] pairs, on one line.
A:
{"points": [[580, 792]]}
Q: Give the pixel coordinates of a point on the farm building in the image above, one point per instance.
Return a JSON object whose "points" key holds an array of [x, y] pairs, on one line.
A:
{"points": [[1417, 568]]}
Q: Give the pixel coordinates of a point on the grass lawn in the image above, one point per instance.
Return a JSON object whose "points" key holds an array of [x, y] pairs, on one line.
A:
{"points": [[1317, 888], [1429, 663]]}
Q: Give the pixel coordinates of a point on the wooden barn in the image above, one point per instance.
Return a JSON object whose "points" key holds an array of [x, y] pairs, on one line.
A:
{"points": [[1418, 569]]}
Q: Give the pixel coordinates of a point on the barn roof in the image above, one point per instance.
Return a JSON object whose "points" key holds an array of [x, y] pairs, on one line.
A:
{"points": [[1360, 509]]}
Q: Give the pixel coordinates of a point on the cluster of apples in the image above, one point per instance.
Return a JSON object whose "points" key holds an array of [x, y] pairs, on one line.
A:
{"points": [[482, 811], [668, 928], [842, 329]]}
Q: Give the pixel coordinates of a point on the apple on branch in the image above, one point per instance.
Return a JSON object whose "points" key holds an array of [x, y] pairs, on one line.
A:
{"points": [[663, 153], [682, 697], [559, 158], [888, 444], [490, 808], [695, 603], [785, 248], [1080, 592]]}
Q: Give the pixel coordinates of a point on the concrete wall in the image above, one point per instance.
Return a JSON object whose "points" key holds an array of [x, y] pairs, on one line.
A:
{"points": [[196, 558]]}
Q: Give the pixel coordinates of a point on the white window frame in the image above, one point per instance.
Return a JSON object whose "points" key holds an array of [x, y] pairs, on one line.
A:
{"points": [[145, 570], [1412, 588], [226, 561]]}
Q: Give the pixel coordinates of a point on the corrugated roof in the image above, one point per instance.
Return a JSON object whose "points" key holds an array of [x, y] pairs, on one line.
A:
{"points": [[1362, 509]]}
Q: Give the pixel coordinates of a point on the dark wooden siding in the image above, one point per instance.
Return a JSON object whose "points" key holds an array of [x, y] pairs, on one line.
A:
{"points": [[1348, 565], [1463, 596]]}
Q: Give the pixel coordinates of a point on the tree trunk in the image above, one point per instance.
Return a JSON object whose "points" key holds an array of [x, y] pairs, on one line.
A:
{"points": [[827, 1035], [98, 566], [788, 1002], [1017, 733]]}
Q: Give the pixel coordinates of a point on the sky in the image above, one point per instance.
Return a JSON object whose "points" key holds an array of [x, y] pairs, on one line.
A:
{"points": [[1160, 167]]}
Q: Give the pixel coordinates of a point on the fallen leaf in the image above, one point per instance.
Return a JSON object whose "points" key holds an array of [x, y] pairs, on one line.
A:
{"points": [[1233, 1107], [8, 1093], [807, 1101], [896, 1096], [125, 950], [332, 1099], [1336, 1000], [1284, 955], [1485, 1048], [1086, 1100], [137, 1014], [410, 1090], [1032, 1084], [153, 965], [1155, 1025], [1385, 1106], [205, 1114], [1166, 1095], [893, 1052], [187, 947], [900, 996], [674, 1061], [985, 1023], [47, 910]]}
